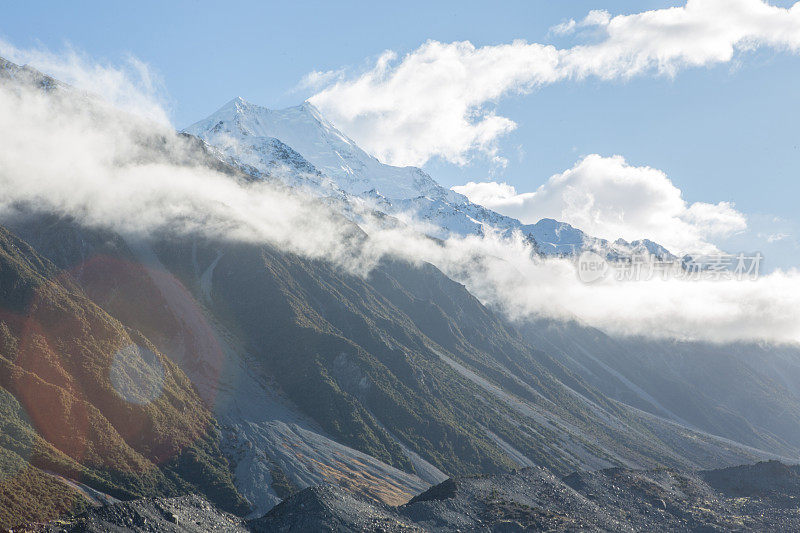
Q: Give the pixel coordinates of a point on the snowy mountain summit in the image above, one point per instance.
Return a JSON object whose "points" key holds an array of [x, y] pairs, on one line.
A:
{"points": [[319, 142], [302, 148]]}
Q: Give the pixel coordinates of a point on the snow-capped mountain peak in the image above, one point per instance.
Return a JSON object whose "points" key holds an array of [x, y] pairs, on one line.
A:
{"points": [[305, 129], [324, 160]]}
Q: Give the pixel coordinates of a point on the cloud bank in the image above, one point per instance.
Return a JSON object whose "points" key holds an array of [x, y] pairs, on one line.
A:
{"points": [[76, 156], [607, 198], [436, 100], [133, 87], [109, 169]]}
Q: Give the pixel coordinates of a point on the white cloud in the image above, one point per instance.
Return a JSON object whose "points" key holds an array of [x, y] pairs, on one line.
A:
{"points": [[132, 86], [317, 79], [502, 272], [94, 164], [81, 158], [597, 17], [774, 237], [431, 102], [494, 195], [606, 197], [436, 100], [564, 28]]}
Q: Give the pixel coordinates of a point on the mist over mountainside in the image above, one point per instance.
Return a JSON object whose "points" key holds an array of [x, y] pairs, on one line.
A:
{"points": [[664, 378], [743, 391], [200, 348]]}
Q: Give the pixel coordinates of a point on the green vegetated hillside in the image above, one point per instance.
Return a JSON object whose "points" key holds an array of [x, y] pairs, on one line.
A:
{"points": [[402, 360], [83, 396], [408, 358], [442, 373]]}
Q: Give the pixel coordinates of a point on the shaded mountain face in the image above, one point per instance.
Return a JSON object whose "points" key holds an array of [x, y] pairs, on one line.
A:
{"points": [[746, 392], [274, 446], [381, 384]]}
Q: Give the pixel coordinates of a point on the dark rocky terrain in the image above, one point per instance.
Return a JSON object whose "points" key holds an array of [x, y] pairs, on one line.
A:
{"points": [[760, 497], [184, 514]]}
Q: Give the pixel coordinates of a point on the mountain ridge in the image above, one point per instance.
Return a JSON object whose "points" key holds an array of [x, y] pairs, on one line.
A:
{"points": [[246, 132]]}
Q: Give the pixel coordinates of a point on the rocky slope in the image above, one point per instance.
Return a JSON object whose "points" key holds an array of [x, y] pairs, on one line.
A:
{"points": [[760, 497], [185, 514]]}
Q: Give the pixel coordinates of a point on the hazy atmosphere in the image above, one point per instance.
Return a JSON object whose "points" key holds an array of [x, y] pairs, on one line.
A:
{"points": [[257, 228]]}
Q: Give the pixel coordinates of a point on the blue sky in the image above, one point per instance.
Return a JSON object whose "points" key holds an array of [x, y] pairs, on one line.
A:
{"points": [[727, 132]]}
